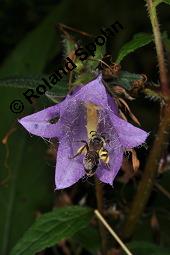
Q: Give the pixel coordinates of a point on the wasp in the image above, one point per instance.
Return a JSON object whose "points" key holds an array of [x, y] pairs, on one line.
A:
{"points": [[94, 151]]}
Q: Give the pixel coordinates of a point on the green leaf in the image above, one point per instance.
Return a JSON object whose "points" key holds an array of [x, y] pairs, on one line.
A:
{"points": [[60, 89], [157, 2], [89, 239], [92, 63], [27, 182], [21, 82], [139, 40], [51, 228], [69, 46]]}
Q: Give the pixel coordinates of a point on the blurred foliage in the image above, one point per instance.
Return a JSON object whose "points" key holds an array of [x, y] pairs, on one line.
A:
{"points": [[32, 48]]}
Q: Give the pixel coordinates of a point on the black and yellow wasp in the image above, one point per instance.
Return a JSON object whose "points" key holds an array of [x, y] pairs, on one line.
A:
{"points": [[94, 151]]}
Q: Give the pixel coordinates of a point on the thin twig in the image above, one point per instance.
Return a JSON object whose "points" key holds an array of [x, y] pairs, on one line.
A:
{"points": [[74, 30], [115, 236], [101, 61]]}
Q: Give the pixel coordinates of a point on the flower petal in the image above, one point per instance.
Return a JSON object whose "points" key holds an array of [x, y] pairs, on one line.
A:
{"points": [[129, 135], [113, 146], [93, 92], [68, 171], [41, 123], [107, 173], [112, 104]]}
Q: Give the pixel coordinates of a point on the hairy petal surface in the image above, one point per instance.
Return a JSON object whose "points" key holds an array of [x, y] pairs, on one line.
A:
{"points": [[107, 173], [112, 104], [68, 171], [93, 92], [129, 135], [44, 123]]}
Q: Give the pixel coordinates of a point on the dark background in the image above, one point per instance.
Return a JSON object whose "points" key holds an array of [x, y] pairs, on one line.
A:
{"points": [[27, 183]]}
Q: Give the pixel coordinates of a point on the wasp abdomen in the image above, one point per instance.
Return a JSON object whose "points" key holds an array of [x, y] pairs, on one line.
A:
{"points": [[90, 162]]}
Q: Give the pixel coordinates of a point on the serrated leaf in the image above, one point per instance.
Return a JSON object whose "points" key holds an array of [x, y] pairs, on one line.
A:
{"points": [[21, 82], [51, 228], [139, 40], [60, 89]]}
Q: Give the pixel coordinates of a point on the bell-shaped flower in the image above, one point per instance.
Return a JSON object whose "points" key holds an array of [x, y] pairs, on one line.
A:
{"points": [[88, 108]]}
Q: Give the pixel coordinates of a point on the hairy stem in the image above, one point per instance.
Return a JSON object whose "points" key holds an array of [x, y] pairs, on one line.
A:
{"points": [[150, 172], [160, 143], [100, 207], [159, 48]]}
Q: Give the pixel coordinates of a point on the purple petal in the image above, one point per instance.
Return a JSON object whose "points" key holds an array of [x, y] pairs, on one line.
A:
{"points": [[68, 171], [40, 123], [129, 135], [93, 92], [106, 127], [107, 173], [112, 104], [113, 146], [73, 121]]}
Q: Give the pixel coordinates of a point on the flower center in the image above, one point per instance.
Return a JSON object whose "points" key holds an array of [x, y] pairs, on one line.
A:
{"points": [[92, 117]]}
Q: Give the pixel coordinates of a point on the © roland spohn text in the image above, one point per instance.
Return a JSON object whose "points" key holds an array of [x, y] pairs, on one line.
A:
{"points": [[82, 52]]}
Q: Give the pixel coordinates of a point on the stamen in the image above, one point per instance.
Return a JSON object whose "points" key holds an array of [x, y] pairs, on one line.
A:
{"points": [[92, 118]]}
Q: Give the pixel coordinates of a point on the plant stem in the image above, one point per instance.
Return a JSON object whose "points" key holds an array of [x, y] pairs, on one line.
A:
{"points": [[161, 140], [100, 207], [150, 172], [159, 48]]}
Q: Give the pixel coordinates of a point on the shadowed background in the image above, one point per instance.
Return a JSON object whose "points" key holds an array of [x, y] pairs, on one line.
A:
{"points": [[31, 44]]}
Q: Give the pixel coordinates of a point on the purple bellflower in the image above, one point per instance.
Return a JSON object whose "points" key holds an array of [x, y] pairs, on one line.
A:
{"points": [[88, 108]]}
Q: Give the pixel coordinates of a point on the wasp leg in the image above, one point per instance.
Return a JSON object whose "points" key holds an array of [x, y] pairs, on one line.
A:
{"points": [[104, 156], [82, 149], [82, 141]]}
